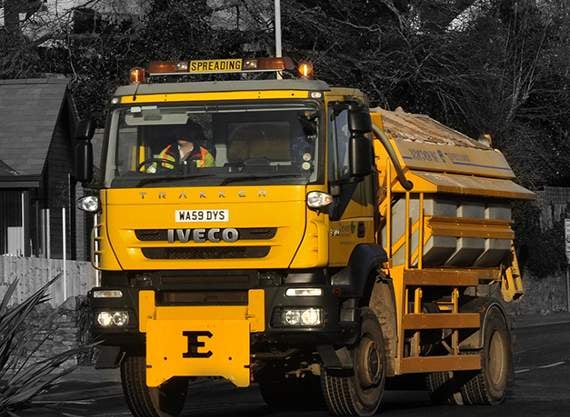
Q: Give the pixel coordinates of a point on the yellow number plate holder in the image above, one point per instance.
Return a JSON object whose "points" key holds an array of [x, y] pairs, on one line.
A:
{"points": [[197, 348]]}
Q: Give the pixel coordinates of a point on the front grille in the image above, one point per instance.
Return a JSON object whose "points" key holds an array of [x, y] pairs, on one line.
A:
{"points": [[203, 298], [245, 233], [224, 252]]}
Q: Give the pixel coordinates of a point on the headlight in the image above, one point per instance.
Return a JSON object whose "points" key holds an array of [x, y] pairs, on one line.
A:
{"points": [[113, 318], [89, 203], [105, 319], [318, 199], [301, 317], [120, 318], [311, 317]]}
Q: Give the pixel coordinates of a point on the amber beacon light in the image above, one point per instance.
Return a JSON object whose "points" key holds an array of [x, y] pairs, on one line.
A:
{"points": [[137, 75], [305, 69]]}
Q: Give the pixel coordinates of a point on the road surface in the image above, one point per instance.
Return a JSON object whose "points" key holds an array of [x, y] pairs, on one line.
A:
{"points": [[541, 388]]}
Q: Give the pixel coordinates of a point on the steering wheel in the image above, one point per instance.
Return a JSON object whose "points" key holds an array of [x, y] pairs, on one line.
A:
{"points": [[160, 162]]}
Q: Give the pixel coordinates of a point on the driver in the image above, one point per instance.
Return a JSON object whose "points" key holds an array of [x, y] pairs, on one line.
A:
{"points": [[187, 149]]}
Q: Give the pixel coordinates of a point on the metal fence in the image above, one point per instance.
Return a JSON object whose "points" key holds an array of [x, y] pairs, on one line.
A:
{"points": [[77, 277]]}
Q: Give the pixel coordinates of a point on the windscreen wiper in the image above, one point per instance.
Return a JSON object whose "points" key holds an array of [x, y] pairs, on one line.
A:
{"points": [[147, 181], [258, 177]]}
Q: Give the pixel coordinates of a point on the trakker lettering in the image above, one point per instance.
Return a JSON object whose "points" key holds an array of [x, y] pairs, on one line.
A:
{"points": [[202, 235]]}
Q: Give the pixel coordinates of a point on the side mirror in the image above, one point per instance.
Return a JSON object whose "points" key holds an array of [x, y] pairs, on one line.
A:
{"points": [[85, 129], [361, 156], [84, 150], [84, 161], [359, 121], [360, 152]]}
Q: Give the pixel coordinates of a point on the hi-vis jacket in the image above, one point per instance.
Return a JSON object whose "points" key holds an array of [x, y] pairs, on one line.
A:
{"points": [[202, 157]]}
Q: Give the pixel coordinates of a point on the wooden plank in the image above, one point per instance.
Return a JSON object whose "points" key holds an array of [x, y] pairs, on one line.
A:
{"points": [[445, 277], [441, 321], [440, 363], [465, 229]]}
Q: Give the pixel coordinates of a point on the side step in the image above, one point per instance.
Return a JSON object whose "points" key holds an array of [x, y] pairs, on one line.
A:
{"points": [[441, 321]]}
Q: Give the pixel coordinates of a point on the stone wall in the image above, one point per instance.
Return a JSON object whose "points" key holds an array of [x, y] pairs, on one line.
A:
{"points": [[54, 330], [542, 295], [554, 205]]}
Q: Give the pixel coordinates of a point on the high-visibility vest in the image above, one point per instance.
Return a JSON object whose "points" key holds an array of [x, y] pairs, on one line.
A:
{"points": [[206, 159]]}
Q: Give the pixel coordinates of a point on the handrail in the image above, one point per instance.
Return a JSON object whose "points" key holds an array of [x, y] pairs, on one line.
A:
{"points": [[392, 154]]}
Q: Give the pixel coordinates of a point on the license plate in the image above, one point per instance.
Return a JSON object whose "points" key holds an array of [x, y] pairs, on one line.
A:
{"points": [[201, 216], [206, 66]]}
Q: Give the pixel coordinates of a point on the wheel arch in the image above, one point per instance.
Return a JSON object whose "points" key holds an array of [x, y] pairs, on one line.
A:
{"points": [[484, 306], [357, 278]]}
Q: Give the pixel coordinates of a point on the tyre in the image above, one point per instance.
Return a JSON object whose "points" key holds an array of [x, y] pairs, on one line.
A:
{"points": [[489, 385], [164, 401], [443, 388], [292, 393], [359, 394]]}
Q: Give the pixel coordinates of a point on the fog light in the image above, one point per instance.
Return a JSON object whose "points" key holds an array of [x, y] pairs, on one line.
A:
{"points": [[120, 318], [105, 319], [301, 317]]}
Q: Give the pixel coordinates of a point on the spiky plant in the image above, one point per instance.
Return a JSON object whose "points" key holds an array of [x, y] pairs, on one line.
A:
{"points": [[22, 377]]}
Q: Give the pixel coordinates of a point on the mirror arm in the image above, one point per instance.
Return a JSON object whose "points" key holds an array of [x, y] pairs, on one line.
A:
{"points": [[407, 184]]}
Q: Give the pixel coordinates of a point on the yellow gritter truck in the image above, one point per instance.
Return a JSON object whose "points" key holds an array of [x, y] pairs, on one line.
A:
{"points": [[325, 249]]}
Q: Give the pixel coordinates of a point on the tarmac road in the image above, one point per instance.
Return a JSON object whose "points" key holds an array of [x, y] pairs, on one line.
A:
{"points": [[541, 388]]}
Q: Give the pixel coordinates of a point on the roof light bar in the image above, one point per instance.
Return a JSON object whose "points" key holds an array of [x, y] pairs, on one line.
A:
{"points": [[220, 66], [167, 67]]}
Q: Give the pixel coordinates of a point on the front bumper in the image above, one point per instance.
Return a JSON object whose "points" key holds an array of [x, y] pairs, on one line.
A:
{"points": [[217, 340], [337, 328]]}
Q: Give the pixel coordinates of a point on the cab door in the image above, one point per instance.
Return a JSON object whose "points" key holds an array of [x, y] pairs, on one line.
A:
{"points": [[351, 214]]}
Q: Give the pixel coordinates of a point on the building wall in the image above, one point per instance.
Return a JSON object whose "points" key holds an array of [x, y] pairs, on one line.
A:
{"points": [[10, 219], [59, 188]]}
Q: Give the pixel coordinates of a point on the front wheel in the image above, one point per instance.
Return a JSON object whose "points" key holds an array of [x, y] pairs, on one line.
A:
{"points": [[164, 401], [359, 394]]}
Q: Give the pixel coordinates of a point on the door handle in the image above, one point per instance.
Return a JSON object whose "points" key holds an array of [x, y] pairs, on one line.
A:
{"points": [[361, 230]]}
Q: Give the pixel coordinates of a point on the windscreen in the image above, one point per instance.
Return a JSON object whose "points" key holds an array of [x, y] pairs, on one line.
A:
{"points": [[212, 145]]}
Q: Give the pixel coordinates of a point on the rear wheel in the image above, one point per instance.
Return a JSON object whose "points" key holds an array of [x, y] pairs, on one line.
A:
{"points": [[164, 401], [490, 384], [359, 394], [443, 388], [487, 386]]}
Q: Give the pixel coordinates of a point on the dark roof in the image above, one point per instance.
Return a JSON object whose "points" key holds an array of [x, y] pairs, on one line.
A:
{"points": [[28, 115], [6, 169]]}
